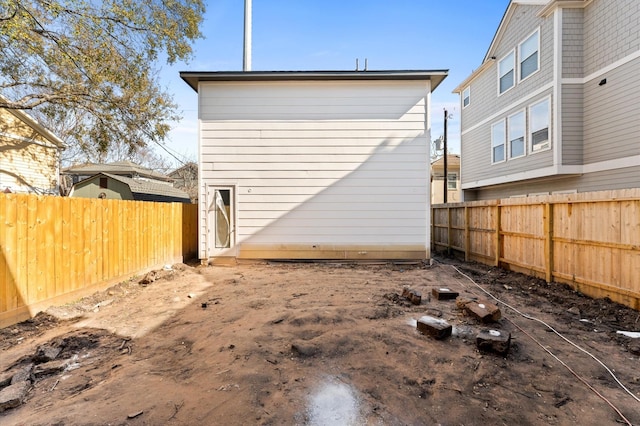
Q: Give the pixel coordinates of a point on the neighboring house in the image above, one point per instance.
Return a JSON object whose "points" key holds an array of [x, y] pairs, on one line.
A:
{"points": [[29, 155], [314, 165], [553, 106], [119, 168], [454, 193], [186, 179], [108, 186]]}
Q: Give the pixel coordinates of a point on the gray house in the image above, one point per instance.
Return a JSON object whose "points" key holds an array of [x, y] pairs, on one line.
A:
{"points": [[109, 186], [553, 106]]}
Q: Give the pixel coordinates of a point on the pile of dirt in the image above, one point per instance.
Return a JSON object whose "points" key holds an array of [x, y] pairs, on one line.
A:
{"points": [[290, 343]]}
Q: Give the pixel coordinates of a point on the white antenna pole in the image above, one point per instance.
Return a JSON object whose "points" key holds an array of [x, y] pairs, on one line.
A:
{"points": [[246, 62]]}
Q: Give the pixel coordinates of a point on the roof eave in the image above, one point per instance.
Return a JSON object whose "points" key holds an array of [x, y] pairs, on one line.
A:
{"points": [[192, 78]]}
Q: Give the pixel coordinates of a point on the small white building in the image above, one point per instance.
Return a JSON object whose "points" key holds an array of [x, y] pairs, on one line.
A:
{"points": [[314, 165]]}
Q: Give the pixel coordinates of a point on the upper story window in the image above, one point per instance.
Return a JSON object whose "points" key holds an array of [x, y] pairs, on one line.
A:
{"points": [[539, 119], [528, 56], [498, 135], [466, 97], [506, 72], [452, 180], [516, 129]]}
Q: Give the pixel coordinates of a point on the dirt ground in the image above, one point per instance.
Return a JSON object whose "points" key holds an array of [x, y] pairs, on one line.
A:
{"points": [[323, 344]]}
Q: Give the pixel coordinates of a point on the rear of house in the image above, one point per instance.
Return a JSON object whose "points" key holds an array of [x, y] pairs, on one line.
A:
{"points": [[553, 107], [29, 155], [314, 165]]}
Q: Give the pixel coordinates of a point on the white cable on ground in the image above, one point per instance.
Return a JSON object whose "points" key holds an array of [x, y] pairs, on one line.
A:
{"points": [[550, 328]]}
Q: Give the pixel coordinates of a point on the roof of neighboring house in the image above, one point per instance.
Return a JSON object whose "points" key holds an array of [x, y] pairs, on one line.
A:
{"points": [[192, 78], [452, 160], [116, 168], [148, 191], [31, 122]]}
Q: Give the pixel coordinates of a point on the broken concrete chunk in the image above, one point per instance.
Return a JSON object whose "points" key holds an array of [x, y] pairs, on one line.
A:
{"points": [[415, 297], [22, 375], [49, 368], [434, 327], [14, 395], [494, 341], [444, 293], [46, 353]]}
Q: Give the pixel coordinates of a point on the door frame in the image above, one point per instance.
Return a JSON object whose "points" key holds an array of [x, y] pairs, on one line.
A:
{"points": [[210, 221]]}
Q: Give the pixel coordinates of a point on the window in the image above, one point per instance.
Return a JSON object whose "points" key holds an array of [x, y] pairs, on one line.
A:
{"points": [[452, 180], [528, 55], [516, 135], [497, 142], [506, 72], [103, 182], [466, 97], [539, 125]]}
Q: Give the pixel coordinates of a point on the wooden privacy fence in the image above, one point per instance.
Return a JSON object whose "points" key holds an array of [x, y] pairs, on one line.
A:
{"points": [[55, 249], [590, 241]]}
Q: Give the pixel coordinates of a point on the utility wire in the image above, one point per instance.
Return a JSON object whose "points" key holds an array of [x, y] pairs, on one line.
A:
{"points": [[562, 337]]}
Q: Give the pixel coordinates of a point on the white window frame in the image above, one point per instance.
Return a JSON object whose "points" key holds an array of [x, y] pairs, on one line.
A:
{"points": [[508, 138], [513, 68], [504, 142], [466, 95], [521, 59], [530, 129], [454, 181]]}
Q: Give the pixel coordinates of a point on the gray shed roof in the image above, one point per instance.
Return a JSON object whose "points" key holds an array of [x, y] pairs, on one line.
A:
{"points": [[192, 78], [150, 191], [116, 168]]}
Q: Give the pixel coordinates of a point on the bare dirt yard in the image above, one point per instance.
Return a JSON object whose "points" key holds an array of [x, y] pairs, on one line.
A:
{"points": [[322, 344]]}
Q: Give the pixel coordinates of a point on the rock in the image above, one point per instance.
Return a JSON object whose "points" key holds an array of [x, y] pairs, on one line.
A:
{"points": [[148, 278], [411, 295], [574, 310], [304, 350], [14, 395], [434, 327], [22, 375], [50, 368], [494, 341], [46, 353], [444, 293]]}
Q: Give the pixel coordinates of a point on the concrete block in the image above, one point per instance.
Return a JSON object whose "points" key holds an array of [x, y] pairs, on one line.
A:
{"points": [[483, 311], [434, 327], [14, 395], [46, 353], [494, 341], [49, 368], [22, 375], [444, 293]]}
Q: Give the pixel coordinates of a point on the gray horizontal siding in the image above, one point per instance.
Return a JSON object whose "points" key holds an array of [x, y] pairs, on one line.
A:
{"points": [[611, 111], [572, 124], [601, 181]]}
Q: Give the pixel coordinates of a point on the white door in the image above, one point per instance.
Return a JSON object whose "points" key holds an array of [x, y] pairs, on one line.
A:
{"points": [[220, 220]]}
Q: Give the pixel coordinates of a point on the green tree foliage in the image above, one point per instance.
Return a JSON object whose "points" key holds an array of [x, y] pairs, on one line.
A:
{"points": [[93, 64]]}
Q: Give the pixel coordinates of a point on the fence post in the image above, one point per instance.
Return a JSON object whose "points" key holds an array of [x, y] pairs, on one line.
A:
{"points": [[497, 234], [467, 234], [548, 241], [448, 230]]}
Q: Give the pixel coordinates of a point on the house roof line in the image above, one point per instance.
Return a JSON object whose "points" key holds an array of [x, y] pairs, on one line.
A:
{"points": [[192, 78], [32, 122]]}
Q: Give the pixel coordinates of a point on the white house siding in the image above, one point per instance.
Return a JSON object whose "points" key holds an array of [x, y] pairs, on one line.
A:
{"points": [[28, 161], [324, 169]]}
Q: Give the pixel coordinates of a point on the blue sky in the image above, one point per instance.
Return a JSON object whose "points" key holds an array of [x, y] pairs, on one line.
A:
{"points": [[329, 35]]}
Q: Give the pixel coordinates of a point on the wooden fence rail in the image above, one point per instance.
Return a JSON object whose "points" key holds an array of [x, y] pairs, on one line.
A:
{"points": [[590, 241], [55, 249]]}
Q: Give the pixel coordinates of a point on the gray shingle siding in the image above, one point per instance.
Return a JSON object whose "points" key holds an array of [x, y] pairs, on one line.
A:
{"points": [[572, 43], [611, 32]]}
